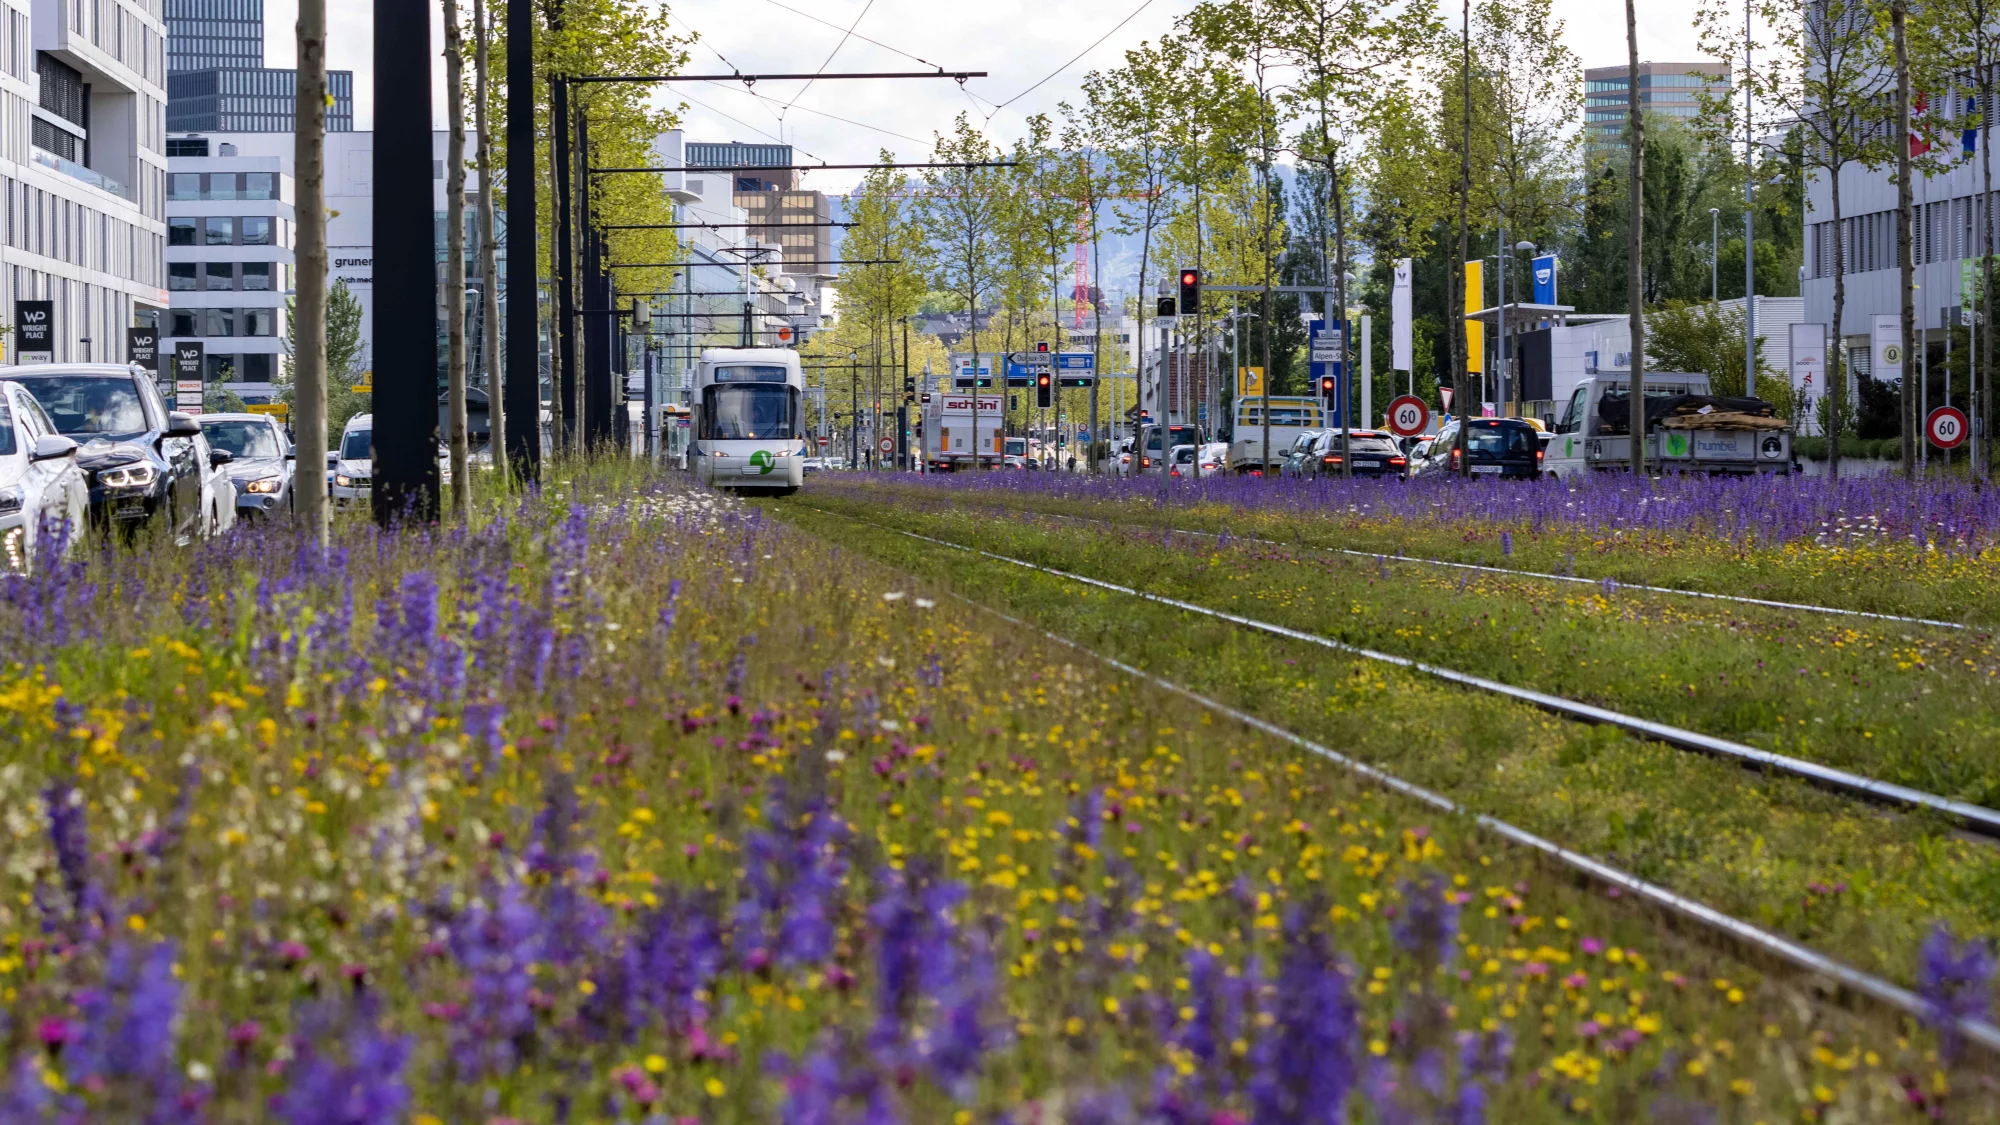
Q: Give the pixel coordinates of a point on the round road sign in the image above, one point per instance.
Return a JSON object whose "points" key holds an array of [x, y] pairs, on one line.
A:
{"points": [[888, 445], [1946, 427], [1408, 416]]}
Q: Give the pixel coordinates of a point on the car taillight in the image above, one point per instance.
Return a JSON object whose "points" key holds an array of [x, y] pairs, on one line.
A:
{"points": [[1398, 461], [1331, 460], [1454, 459], [1145, 462], [1539, 454]]}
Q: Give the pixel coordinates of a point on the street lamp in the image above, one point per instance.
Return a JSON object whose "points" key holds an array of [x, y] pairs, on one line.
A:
{"points": [[1714, 254]]}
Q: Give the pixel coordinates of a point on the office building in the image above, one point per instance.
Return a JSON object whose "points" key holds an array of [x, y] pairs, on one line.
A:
{"points": [[230, 229], [767, 190], [217, 81], [83, 176], [1670, 90]]}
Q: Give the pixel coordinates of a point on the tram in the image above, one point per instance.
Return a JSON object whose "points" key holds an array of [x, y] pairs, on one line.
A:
{"points": [[749, 419]]}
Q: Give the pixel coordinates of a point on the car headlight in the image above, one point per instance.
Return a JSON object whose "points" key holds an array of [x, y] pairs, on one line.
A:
{"points": [[128, 476], [13, 550], [343, 480], [265, 486]]}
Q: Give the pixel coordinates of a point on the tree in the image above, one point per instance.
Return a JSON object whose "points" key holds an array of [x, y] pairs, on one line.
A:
{"points": [[877, 298], [1635, 139], [1092, 181], [309, 314], [489, 274], [454, 261], [340, 351], [961, 216], [1824, 68], [1701, 336]]}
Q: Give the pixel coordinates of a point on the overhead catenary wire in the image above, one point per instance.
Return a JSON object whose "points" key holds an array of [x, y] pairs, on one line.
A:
{"points": [[1750, 936], [1144, 4], [844, 37]]}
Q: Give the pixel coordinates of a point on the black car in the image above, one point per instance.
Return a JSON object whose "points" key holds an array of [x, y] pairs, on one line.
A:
{"points": [[1500, 447], [139, 456], [1374, 454]]}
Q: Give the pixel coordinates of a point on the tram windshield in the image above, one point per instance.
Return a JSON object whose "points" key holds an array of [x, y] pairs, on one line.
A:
{"points": [[746, 411]]}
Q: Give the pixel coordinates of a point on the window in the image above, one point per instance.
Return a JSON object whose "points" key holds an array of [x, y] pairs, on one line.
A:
{"points": [[181, 232], [259, 185], [218, 322], [244, 439], [221, 368], [220, 275], [256, 231], [740, 412], [221, 230], [183, 185], [181, 322], [88, 404], [260, 322], [257, 276], [187, 146], [222, 185], [257, 367], [181, 276]]}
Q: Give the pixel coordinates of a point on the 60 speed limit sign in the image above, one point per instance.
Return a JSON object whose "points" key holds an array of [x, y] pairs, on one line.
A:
{"points": [[1408, 416], [1946, 427]]}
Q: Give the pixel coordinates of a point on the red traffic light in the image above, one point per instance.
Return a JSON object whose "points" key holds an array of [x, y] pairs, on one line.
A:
{"points": [[1042, 346], [1189, 277], [1042, 379], [1326, 384]]}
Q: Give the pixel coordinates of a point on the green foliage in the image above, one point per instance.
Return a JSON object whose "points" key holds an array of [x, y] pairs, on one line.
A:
{"points": [[1705, 338]]}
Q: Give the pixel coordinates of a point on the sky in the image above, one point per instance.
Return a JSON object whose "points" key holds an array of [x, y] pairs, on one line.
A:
{"points": [[1019, 42]]}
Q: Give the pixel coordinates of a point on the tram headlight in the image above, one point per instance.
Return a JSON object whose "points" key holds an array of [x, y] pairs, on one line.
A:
{"points": [[782, 453]]}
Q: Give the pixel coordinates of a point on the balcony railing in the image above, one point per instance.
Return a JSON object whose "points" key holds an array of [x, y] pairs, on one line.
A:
{"points": [[77, 171]]}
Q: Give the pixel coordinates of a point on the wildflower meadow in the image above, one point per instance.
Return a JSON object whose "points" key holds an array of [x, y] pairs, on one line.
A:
{"points": [[627, 802]]}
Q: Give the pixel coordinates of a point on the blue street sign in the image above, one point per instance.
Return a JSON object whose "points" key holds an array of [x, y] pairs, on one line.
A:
{"points": [[1319, 370], [1019, 375], [1076, 361]]}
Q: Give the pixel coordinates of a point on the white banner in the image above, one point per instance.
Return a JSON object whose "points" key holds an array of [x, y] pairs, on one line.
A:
{"points": [[1808, 373], [1885, 337], [1400, 358]]}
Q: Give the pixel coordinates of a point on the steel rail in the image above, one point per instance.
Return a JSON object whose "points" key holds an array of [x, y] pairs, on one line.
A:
{"points": [[1862, 983], [1804, 607], [1885, 992], [1976, 818]]}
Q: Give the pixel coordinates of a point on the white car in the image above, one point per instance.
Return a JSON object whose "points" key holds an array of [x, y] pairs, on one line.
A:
{"points": [[39, 480], [354, 471], [218, 489], [1213, 460]]}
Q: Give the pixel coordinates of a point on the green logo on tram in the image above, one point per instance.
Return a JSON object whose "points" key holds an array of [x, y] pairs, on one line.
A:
{"points": [[763, 461]]}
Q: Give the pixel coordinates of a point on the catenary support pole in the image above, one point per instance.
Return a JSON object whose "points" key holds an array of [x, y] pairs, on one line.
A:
{"points": [[405, 345], [523, 380]]}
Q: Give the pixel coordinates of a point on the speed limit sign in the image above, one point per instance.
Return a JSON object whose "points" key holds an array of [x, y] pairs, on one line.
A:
{"points": [[888, 445], [1946, 427], [1408, 416]]}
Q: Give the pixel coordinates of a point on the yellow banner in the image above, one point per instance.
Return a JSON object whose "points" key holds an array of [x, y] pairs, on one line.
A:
{"points": [[1475, 332], [1249, 382], [276, 410]]}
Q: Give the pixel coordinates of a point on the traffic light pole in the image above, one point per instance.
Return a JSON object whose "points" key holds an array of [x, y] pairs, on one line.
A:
{"points": [[405, 345]]}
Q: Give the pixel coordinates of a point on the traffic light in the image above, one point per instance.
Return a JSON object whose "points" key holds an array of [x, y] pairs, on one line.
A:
{"points": [[1326, 387], [1042, 346], [1044, 389], [1165, 309], [1191, 291]]}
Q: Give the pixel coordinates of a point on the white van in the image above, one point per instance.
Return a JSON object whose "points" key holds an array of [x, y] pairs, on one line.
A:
{"points": [[354, 463]]}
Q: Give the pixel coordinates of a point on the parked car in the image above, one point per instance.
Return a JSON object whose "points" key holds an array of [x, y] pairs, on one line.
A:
{"points": [[40, 482], [261, 468], [1502, 447], [218, 492], [1181, 462], [140, 458], [1373, 454], [1213, 460]]}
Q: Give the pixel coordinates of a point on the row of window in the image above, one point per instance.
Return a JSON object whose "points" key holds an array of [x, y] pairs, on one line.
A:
{"points": [[251, 277], [44, 223], [194, 323], [220, 185], [256, 367], [1943, 231], [220, 230]]}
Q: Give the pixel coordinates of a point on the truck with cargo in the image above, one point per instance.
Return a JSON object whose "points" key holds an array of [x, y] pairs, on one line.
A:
{"points": [[1688, 429], [962, 431], [1290, 417]]}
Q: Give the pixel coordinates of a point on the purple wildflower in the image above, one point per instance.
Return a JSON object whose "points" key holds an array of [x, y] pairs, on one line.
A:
{"points": [[1428, 924], [1956, 981], [366, 1087], [1306, 1062]]}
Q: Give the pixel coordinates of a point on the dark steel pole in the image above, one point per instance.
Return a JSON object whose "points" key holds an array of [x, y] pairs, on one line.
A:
{"points": [[564, 305], [523, 383], [598, 329], [406, 288]]}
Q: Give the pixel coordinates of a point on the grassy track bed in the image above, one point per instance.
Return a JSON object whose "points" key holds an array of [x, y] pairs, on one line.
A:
{"points": [[1844, 876], [1853, 564], [1918, 707], [628, 805]]}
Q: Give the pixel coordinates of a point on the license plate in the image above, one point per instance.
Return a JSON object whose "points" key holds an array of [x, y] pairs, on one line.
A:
{"points": [[1486, 468], [130, 510], [754, 471]]}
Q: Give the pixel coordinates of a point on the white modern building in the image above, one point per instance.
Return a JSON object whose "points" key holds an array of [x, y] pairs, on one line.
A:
{"points": [[83, 169], [230, 233]]}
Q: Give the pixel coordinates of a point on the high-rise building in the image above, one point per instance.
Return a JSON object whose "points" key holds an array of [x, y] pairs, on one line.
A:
{"points": [[765, 187], [217, 81], [1666, 89], [82, 178]]}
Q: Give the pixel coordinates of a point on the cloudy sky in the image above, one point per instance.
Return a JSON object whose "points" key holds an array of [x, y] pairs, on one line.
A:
{"points": [[1019, 42]]}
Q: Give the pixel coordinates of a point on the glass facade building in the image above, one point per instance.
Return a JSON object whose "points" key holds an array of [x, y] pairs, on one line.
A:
{"points": [[1670, 90], [217, 81], [214, 34]]}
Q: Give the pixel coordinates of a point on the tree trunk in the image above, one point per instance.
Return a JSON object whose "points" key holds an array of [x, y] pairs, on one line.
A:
{"points": [[1906, 267], [1983, 431], [309, 373], [489, 274], [1634, 244], [454, 258], [1461, 375], [1345, 384]]}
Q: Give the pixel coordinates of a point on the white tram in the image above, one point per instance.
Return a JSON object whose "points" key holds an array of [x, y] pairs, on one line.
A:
{"points": [[749, 419]]}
